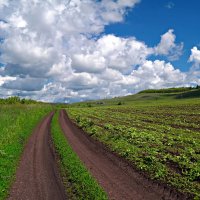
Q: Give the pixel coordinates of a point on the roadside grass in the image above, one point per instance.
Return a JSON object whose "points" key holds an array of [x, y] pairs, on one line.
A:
{"points": [[161, 138], [79, 184], [16, 124]]}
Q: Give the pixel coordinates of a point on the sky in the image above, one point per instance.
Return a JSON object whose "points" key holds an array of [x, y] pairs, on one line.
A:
{"points": [[75, 50]]}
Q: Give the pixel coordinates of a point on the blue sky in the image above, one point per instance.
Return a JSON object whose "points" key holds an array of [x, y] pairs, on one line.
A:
{"points": [[150, 19], [73, 50]]}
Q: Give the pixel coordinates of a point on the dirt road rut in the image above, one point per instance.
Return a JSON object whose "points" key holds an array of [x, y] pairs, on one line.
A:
{"points": [[37, 176]]}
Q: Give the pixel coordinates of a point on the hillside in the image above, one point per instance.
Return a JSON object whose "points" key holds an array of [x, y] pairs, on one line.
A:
{"points": [[148, 97]]}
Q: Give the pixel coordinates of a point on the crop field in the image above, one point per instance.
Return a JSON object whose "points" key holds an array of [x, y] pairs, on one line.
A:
{"points": [[16, 125], [160, 138]]}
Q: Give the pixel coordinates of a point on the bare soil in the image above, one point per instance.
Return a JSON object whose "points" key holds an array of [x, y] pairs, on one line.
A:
{"points": [[116, 175], [37, 176]]}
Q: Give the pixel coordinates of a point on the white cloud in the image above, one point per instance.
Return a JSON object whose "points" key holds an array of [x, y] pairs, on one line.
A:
{"points": [[122, 53], [3, 25], [3, 3], [168, 47], [56, 50], [158, 74], [113, 11], [195, 56], [170, 5], [5, 79], [25, 56], [17, 21], [93, 63], [27, 84], [194, 72]]}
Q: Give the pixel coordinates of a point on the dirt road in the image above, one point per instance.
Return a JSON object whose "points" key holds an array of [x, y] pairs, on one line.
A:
{"points": [[114, 174], [37, 177]]}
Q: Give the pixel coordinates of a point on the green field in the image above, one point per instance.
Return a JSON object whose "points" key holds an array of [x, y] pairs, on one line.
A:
{"points": [[158, 133], [16, 125]]}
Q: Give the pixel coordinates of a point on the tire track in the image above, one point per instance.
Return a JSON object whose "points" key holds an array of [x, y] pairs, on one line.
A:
{"points": [[114, 174], [37, 176]]}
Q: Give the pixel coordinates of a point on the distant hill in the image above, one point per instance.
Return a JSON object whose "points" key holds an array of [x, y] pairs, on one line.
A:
{"points": [[150, 96], [183, 92], [168, 90], [190, 94]]}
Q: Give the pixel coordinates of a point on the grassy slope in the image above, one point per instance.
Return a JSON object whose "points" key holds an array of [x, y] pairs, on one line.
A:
{"points": [[16, 125], [78, 182], [169, 90], [142, 98], [159, 133]]}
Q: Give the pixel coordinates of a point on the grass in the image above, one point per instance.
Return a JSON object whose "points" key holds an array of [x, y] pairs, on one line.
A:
{"points": [[184, 95], [16, 125], [78, 182], [169, 90], [160, 137]]}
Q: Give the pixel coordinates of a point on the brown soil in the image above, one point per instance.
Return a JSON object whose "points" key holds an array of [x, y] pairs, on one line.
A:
{"points": [[37, 176], [117, 176]]}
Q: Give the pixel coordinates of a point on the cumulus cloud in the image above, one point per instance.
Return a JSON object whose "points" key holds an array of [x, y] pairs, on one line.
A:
{"points": [[195, 56], [3, 3], [122, 54], [5, 79], [27, 84], [158, 74], [194, 72], [168, 47], [113, 11], [58, 51], [93, 63]]}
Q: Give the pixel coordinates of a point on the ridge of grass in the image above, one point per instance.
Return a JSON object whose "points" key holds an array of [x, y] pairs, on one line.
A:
{"points": [[168, 90], [78, 182], [16, 125]]}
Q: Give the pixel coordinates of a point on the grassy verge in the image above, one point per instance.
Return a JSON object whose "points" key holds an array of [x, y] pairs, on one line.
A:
{"points": [[78, 182], [16, 125]]}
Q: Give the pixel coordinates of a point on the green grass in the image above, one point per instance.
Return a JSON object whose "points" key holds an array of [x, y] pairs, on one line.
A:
{"points": [[153, 97], [190, 94], [160, 137], [169, 90], [16, 125], [78, 182]]}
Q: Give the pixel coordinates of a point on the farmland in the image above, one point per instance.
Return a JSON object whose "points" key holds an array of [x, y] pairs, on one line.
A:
{"points": [[158, 133], [16, 125]]}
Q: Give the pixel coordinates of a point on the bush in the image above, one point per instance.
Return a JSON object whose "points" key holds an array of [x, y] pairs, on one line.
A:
{"points": [[119, 103]]}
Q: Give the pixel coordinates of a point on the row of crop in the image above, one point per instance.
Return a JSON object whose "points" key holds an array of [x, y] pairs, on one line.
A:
{"points": [[131, 120], [186, 119], [166, 153], [155, 116]]}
